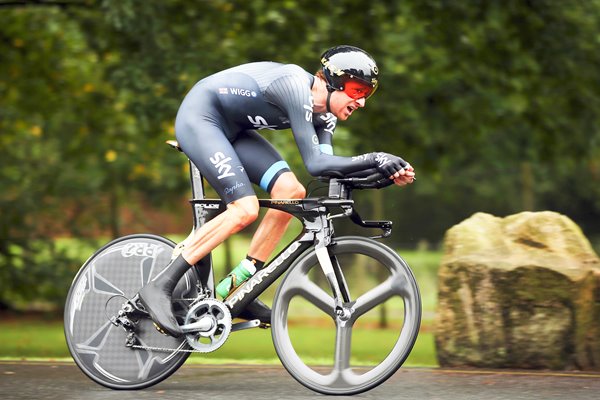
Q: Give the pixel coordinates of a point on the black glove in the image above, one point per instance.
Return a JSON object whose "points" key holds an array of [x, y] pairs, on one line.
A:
{"points": [[388, 164]]}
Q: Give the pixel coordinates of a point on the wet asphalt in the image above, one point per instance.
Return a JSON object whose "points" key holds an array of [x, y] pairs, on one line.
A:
{"points": [[63, 380]]}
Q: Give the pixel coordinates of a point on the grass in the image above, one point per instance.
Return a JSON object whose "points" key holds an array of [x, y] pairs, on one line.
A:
{"points": [[43, 338], [39, 338]]}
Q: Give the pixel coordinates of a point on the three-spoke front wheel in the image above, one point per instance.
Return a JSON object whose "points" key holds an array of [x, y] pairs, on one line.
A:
{"points": [[361, 347]]}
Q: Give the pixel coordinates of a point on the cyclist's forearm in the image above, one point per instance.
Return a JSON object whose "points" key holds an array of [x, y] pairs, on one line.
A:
{"points": [[322, 163]]}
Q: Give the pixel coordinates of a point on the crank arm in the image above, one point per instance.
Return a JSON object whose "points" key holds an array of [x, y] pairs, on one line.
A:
{"points": [[255, 323], [202, 325]]}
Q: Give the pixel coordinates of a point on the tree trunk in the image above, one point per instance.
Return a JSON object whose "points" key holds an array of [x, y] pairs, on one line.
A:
{"points": [[528, 196]]}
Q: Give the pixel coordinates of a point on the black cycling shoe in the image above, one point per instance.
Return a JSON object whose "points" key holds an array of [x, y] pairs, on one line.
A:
{"points": [[157, 294], [257, 310]]}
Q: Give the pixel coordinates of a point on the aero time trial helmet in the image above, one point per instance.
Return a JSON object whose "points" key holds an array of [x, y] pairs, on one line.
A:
{"points": [[351, 70]]}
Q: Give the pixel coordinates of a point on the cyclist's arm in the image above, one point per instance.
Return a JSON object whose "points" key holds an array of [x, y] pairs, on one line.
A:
{"points": [[325, 126], [293, 95]]}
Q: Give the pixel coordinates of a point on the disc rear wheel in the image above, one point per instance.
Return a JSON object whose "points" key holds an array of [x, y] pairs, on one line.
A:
{"points": [[114, 274]]}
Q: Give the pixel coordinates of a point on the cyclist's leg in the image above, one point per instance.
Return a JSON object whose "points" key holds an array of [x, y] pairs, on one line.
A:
{"points": [[275, 222], [265, 167], [220, 165], [239, 214], [202, 138]]}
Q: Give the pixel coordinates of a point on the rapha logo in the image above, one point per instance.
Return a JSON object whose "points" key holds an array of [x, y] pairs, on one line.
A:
{"points": [[221, 163], [233, 188]]}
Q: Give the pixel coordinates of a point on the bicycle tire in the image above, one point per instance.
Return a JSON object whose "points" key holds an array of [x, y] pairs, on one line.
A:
{"points": [[343, 378], [113, 273]]}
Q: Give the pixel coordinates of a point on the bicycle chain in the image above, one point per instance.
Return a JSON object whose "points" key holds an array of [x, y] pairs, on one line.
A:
{"points": [[166, 350]]}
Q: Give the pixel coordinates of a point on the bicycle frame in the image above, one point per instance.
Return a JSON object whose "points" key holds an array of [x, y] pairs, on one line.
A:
{"points": [[314, 213], [111, 278]]}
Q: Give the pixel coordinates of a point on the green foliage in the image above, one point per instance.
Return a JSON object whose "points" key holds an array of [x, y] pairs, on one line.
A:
{"points": [[21, 339], [495, 104], [496, 107]]}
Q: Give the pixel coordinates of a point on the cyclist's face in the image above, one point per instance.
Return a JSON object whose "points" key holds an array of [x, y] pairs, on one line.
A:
{"points": [[342, 105]]}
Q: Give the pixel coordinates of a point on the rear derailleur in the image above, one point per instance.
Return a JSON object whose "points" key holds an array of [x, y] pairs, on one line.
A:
{"points": [[128, 318]]}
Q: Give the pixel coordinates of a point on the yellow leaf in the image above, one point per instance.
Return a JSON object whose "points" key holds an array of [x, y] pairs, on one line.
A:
{"points": [[36, 130], [110, 155]]}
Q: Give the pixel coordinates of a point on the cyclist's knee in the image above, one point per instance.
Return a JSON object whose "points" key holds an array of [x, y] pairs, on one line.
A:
{"points": [[288, 187], [244, 211]]}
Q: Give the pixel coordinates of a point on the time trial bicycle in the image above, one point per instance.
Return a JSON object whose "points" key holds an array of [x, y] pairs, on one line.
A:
{"points": [[114, 342]]}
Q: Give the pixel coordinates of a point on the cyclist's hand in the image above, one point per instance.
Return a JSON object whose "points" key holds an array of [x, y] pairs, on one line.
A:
{"points": [[394, 167], [407, 177]]}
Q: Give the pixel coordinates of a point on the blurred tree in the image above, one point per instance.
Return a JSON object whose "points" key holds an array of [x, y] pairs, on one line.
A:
{"points": [[47, 83], [495, 104]]}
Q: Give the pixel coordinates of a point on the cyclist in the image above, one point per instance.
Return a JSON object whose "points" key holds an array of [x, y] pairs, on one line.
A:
{"points": [[216, 127]]}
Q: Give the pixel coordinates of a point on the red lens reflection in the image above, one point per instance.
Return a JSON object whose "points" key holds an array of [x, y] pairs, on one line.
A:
{"points": [[357, 89]]}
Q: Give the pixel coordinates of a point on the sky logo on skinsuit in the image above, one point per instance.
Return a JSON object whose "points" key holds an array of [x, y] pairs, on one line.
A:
{"points": [[361, 157], [221, 163], [261, 123], [331, 122], [308, 108], [382, 159]]}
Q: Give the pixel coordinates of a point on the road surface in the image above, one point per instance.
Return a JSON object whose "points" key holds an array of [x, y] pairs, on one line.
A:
{"points": [[62, 380]]}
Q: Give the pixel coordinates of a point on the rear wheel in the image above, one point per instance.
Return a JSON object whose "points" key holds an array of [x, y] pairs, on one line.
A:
{"points": [[378, 280], [114, 274]]}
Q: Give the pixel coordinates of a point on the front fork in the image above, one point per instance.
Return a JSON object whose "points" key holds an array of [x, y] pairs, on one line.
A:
{"points": [[333, 272]]}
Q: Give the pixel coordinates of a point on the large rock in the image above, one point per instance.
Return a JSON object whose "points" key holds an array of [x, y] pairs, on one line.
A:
{"points": [[519, 292]]}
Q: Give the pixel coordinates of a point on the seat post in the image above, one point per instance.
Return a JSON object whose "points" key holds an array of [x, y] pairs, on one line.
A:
{"points": [[197, 182], [197, 186]]}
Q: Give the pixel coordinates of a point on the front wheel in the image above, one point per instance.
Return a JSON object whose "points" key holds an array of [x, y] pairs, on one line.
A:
{"points": [[111, 276], [357, 354]]}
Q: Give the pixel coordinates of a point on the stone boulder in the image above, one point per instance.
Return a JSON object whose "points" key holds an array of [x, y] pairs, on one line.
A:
{"points": [[518, 292]]}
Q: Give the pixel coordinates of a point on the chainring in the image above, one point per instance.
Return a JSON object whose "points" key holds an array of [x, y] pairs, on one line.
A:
{"points": [[219, 316]]}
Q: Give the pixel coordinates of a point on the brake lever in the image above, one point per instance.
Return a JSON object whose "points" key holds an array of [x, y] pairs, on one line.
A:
{"points": [[387, 230], [385, 226]]}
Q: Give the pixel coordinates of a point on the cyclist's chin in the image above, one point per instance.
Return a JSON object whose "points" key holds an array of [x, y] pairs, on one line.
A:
{"points": [[342, 115]]}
